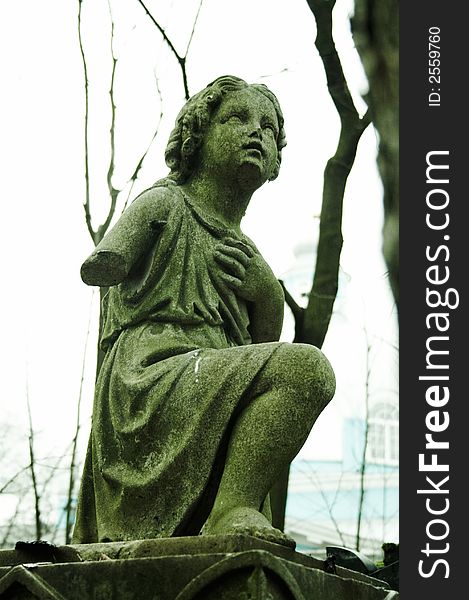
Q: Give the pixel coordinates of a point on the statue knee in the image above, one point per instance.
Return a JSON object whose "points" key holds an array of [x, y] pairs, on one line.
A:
{"points": [[305, 369]]}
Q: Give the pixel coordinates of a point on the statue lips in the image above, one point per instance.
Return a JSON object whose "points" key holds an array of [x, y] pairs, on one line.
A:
{"points": [[254, 145]]}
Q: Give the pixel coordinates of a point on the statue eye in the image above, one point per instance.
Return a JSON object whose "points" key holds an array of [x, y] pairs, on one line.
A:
{"points": [[236, 117], [270, 126], [233, 117]]}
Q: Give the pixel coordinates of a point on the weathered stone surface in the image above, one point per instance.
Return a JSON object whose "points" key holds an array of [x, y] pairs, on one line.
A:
{"points": [[204, 568], [198, 407], [21, 583]]}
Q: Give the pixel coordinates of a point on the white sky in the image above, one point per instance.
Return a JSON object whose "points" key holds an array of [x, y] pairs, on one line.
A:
{"points": [[44, 305]]}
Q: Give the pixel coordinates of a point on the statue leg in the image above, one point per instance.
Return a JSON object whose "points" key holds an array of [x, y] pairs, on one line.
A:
{"points": [[290, 393]]}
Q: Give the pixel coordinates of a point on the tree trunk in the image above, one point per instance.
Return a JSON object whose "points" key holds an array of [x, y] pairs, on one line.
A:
{"points": [[376, 33], [312, 322]]}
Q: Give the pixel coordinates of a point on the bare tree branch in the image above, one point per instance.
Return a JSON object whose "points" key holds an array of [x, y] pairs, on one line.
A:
{"points": [[361, 497], [291, 302], [97, 235], [37, 498], [375, 27], [113, 192], [193, 29], [52, 469], [71, 483], [266, 76], [297, 311], [86, 204], [330, 507], [133, 177], [313, 478], [318, 312], [13, 479], [181, 59]]}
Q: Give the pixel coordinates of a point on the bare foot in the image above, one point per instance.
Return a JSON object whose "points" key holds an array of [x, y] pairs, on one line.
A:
{"points": [[248, 521]]}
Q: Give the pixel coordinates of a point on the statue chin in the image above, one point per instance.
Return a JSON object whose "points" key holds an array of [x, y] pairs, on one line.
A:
{"points": [[250, 175]]}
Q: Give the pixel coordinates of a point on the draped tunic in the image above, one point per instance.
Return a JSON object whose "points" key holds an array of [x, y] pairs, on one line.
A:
{"points": [[178, 368]]}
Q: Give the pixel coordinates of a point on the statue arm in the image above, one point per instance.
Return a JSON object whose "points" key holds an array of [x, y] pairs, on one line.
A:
{"points": [[266, 314], [132, 235]]}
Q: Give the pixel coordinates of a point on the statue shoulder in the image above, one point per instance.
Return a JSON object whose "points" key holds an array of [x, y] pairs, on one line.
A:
{"points": [[156, 203], [130, 238]]}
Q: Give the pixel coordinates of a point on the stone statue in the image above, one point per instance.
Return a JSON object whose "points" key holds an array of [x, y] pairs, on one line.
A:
{"points": [[198, 407]]}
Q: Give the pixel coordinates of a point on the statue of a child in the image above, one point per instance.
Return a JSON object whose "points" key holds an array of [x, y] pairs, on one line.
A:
{"points": [[198, 407]]}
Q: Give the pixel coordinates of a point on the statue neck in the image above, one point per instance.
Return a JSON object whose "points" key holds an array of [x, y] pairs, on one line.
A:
{"points": [[220, 199]]}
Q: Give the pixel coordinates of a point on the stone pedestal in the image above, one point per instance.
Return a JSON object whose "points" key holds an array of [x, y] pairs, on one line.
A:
{"points": [[231, 567]]}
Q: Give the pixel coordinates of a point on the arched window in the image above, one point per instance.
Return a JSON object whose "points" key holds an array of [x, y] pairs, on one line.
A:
{"points": [[383, 435]]}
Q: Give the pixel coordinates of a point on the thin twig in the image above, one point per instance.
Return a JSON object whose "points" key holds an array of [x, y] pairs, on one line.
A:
{"points": [[13, 479], [112, 131], [71, 483], [181, 59], [134, 175], [161, 30], [331, 516], [329, 505], [296, 309], [86, 204], [113, 192], [267, 76], [193, 29], [37, 498], [53, 469], [361, 497]]}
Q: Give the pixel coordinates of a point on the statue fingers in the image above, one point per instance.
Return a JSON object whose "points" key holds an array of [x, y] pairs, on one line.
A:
{"points": [[234, 253], [233, 243], [230, 264], [234, 283]]}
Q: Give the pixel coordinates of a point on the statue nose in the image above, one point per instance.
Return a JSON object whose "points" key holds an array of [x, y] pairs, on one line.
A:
{"points": [[256, 131]]}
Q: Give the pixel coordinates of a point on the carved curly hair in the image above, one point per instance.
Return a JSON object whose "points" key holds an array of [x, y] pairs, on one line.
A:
{"points": [[194, 118]]}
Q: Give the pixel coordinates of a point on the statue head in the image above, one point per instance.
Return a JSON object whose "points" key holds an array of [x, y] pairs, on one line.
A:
{"points": [[193, 121]]}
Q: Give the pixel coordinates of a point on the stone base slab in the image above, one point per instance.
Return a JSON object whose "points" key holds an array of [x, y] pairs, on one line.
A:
{"points": [[232, 567]]}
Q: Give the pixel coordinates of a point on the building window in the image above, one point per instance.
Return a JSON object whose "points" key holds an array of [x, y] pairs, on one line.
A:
{"points": [[383, 435]]}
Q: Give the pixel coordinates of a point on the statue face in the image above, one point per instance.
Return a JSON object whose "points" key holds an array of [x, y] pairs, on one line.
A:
{"points": [[241, 141]]}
